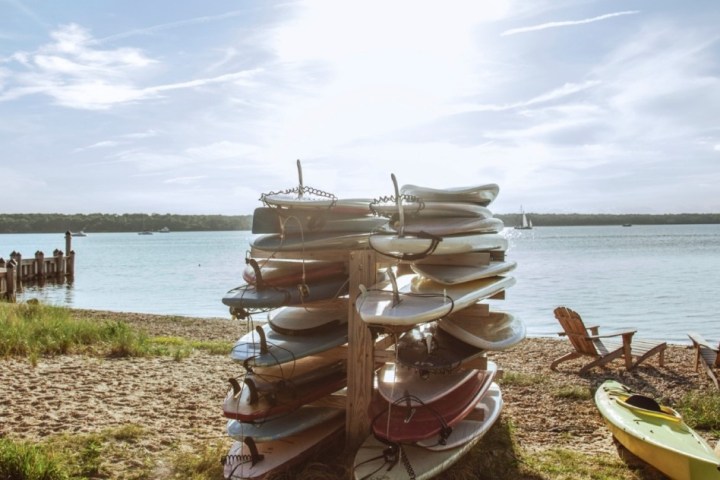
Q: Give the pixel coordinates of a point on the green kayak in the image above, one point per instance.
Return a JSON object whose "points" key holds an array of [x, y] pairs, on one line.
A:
{"points": [[656, 434]]}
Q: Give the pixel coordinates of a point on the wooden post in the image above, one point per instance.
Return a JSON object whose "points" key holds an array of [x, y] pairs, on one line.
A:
{"points": [[40, 265], [17, 258], [10, 280], [68, 242], [60, 263], [361, 364], [70, 264]]}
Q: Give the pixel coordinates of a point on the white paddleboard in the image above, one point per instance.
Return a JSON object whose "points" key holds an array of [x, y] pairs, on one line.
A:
{"points": [[480, 194], [396, 245], [451, 225], [310, 318], [435, 209], [312, 241], [488, 408], [278, 454], [280, 427], [497, 331], [395, 381], [370, 464], [377, 304], [454, 274]]}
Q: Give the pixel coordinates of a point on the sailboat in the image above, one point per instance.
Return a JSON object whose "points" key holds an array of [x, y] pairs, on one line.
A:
{"points": [[526, 222]]}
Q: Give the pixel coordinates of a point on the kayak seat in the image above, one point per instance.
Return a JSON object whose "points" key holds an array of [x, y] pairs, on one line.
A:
{"points": [[641, 401], [587, 342]]}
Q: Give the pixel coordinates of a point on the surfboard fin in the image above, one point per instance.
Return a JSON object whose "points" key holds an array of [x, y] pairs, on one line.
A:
{"points": [[250, 384], [263, 340], [235, 386]]}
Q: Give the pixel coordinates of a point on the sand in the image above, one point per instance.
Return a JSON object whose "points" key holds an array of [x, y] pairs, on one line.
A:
{"points": [[179, 403]]}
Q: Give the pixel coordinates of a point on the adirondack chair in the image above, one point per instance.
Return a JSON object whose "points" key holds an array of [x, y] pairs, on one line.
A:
{"points": [[587, 342], [709, 354]]}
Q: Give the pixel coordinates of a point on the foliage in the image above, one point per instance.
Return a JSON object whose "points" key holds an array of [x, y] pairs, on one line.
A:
{"points": [[33, 330], [25, 461], [701, 409], [128, 222]]}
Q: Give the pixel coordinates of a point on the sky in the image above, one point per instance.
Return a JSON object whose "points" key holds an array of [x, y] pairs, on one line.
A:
{"points": [[200, 107]]}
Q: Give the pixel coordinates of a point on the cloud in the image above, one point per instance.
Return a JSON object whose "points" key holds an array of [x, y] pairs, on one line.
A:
{"points": [[76, 74], [172, 25], [545, 26], [566, 90]]}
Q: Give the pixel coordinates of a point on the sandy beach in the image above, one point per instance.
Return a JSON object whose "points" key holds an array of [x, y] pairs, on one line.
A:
{"points": [[178, 403]]}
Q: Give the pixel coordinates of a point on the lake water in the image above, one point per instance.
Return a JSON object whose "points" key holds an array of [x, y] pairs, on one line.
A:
{"points": [[663, 280]]}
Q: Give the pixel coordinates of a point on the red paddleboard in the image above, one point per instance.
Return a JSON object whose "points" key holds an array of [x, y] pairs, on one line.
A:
{"points": [[411, 424], [274, 272]]}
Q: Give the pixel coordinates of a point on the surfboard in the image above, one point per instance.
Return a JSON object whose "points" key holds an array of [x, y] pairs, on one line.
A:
{"points": [[454, 274], [434, 209], [272, 348], [243, 462], [497, 331], [295, 220], [488, 409], [310, 318], [293, 423], [404, 423], [450, 225], [395, 381], [422, 300], [430, 349], [480, 194], [248, 402], [395, 245], [252, 297], [275, 272], [311, 241]]}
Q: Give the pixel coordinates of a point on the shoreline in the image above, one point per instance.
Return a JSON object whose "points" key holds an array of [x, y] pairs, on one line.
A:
{"points": [[179, 403]]}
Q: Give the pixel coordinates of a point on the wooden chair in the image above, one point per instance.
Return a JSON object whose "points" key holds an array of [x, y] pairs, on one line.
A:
{"points": [[587, 342], [709, 354]]}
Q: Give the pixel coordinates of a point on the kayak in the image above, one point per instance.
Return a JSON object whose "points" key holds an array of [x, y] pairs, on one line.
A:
{"points": [[656, 434]]}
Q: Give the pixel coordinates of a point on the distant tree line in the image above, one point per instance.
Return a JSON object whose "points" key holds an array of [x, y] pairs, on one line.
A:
{"points": [[135, 222], [580, 219], [127, 222]]}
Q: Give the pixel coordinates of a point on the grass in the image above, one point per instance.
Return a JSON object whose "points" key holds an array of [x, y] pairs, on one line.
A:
{"points": [[522, 379], [701, 410], [33, 330]]}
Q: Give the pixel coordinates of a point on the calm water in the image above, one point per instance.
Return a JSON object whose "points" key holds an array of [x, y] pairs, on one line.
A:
{"points": [[661, 279]]}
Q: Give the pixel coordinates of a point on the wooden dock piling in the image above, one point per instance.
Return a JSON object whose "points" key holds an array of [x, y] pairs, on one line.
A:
{"points": [[17, 271]]}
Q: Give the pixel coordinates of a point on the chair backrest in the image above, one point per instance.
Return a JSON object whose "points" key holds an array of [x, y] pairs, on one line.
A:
{"points": [[575, 329]]}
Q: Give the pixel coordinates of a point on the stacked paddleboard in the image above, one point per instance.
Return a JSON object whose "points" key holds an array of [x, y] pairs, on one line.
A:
{"points": [[437, 398], [286, 402]]}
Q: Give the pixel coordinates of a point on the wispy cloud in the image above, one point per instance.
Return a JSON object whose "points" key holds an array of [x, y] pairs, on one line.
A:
{"points": [[171, 25], [77, 74], [568, 23], [555, 94]]}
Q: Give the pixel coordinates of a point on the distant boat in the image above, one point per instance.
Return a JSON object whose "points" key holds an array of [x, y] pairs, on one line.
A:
{"points": [[164, 230], [81, 233], [627, 224], [145, 232], [526, 222]]}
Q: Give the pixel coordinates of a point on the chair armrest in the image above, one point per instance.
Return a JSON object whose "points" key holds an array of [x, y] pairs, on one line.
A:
{"points": [[698, 339], [615, 334]]}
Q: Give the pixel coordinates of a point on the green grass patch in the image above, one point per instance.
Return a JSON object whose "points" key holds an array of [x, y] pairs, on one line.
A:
{"points": [[573, 392], [201, 464], [34, 330], [563, 464], [522, 379], [701, 410], [26, 461]]}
